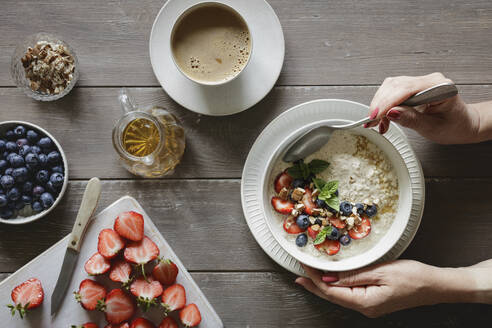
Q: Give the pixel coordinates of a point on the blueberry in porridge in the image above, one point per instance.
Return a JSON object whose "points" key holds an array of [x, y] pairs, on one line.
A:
{"points": [[339, 201]]}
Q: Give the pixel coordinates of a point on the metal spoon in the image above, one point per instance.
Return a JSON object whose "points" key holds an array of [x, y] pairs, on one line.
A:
{"points": [[318, 137]]}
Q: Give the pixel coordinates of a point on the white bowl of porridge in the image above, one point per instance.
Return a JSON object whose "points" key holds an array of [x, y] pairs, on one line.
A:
{"points": [[344, 215]]}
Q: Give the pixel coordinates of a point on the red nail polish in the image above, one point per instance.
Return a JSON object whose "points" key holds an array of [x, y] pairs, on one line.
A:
{"points": [[366, 125], [329, 277], [381, 128], [394, 114], [374, 114]]}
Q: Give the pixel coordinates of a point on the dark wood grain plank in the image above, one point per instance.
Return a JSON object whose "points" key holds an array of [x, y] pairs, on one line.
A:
{"points": [[272, 300], [203, 222], [327, 42], [216, 146]]}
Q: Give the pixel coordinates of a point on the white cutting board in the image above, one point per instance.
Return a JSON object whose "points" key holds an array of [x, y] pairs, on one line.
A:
{"points": [[46, 267]]}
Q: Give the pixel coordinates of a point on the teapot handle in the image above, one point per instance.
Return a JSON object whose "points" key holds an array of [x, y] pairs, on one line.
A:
{"points": [[127, 102]]}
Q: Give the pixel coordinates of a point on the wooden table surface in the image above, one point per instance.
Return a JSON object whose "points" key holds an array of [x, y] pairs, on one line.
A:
{"points": [[334, 49]]}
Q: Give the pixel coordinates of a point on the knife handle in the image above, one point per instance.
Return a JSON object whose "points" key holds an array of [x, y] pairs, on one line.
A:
{"points": [[86, 210]]}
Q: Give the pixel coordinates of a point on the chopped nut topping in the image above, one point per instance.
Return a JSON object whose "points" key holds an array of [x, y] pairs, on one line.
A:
{"points": [[284, 193], [315, 193], [354, 210], [315, 227], [317, 211], [299, 207], [294, 212], [350, 221], [324, 222], [327, 213], [312, 219], [297, 194]]}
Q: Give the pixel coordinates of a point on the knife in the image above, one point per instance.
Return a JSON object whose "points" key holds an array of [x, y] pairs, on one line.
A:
{"points": [[86, 210]]}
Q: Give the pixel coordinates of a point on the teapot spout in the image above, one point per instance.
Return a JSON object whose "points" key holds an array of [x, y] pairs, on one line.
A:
{"points": [[126, 101]]}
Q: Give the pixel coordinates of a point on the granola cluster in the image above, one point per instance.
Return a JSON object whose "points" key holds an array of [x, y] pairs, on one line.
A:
{"points": [[49, 67]]}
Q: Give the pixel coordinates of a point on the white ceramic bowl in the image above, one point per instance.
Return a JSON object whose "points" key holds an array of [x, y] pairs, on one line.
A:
{"points": [[386, 243], [7, 125]]}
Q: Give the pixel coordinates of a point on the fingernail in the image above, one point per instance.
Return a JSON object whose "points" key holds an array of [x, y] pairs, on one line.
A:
{"points": [[329, 277], [374, 114], [382, 128], [366, 125], [394, 114]]}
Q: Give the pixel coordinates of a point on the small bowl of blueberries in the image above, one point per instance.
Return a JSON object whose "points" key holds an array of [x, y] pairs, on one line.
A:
{"points": [[33, 172]]}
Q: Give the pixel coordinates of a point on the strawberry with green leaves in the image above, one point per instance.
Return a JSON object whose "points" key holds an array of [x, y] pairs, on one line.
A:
{"points": [[190, 316], [97, 265], [165, 272], [26, 296], [121, 272], [173, 298], [86, 325], [168, 322], [146, 292], [141, 323], [90, 294], [118, 306], [130, 225], [141, 252], [109, 243]]}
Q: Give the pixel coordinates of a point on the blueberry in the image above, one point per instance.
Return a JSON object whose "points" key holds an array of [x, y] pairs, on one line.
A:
{"points": [[2, 145], [9, 171], [318, 222], [336, 193], [7, 181], [320, 203], [3, 165], [13, 194], [345, 240], [11, 146], [11, 205], [24, 150], [20, 131], [32, 136], [332, 210], [3, 200], [42, 176], [9, 156], [35, 149], [10, 135], [47, 200], [346, 208], [32, 159], [37, 191], [371, 210], [334, 235], [19, 204], [58, 169], [27, 187], [43, 159], [21, 142], [360, 208], [17, 161], [54, 157], [20, 174], [301, 240], [57, 179], [5, 154], [303, 221], [6, 213], [45, 143], [26, 199], [37, 207], [298, 183], [51, 188]]}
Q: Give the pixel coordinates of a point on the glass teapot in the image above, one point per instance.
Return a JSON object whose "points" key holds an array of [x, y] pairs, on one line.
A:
{"points": [[149, 141]]}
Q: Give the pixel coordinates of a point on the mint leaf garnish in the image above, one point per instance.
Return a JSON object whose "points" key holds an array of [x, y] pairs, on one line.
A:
{"points": [[321, 237], [317, 166], [300, 170], [333, 202], [319, 183]]}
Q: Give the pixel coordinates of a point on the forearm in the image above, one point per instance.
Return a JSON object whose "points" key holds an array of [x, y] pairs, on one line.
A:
{"points": [[484, 110], [461, 285]]}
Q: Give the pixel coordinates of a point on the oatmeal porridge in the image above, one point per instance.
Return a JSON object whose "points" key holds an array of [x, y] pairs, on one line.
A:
{"points": [[339, 201]]}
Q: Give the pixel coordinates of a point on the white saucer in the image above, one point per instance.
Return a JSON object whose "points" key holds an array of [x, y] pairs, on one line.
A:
{"points": [[254, 83], [280, 129]]}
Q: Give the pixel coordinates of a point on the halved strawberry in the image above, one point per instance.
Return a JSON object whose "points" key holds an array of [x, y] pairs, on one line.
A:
{"points": [[141, 323], [97, 264], [312, 233], [121, 272], [165, 272], [190, 316], [307, 200], [283, 180], [86, 325], [118, 306], [26, 296], [337, 222], [130, 225], [173, 298], [109, 243], [121, 325], [168, 322], [141, 252], [282, 206], [291, 226], [146, 292], [330, 247], [361, 230], [90, 294]]}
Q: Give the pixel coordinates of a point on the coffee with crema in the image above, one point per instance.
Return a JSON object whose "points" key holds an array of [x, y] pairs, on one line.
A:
{"points": [[211, 43]]}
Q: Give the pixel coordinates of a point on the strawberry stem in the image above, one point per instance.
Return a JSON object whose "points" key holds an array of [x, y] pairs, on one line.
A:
{"points": [[143, 273]]}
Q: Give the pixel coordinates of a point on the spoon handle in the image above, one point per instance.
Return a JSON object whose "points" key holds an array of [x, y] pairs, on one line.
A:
{"points": [[436, 93]]}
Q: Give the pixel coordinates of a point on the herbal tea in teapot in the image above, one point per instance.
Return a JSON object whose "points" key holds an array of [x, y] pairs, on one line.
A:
{"points": [[150, 141]]}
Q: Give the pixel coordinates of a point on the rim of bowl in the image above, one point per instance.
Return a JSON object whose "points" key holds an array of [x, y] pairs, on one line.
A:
{"points": [[281, 239], [37, 216]]}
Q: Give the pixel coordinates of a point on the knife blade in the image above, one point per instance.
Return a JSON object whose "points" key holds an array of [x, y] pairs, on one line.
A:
{"points": [[86, 210]]}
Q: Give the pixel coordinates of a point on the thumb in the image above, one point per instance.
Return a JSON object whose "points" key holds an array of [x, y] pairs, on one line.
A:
{"points": [[407, 117]]}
